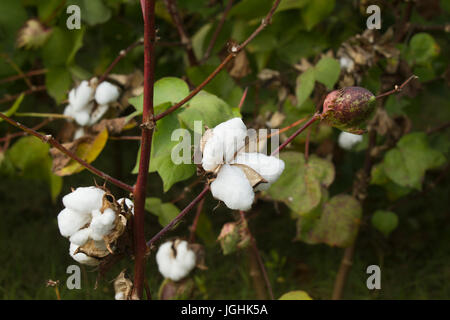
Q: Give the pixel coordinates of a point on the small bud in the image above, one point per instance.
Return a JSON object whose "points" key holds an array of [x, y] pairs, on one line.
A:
{"points": [[33, 35], [349, 109], [233, 236]]}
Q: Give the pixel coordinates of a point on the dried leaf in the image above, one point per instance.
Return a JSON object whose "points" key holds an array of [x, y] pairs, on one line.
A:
{"points": [[252, 176]]}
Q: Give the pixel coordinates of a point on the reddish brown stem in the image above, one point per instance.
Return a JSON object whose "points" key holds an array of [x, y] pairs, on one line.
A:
{"points": [[217, 31], [121, 55], [23, 133], [195, 222], [26, 92], [178, 218], [23, 75], [397, 88], [140, 247], [49, 139], [233, 53], [185, 40]]}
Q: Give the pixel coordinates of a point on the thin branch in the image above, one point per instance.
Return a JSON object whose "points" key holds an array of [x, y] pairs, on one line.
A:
{"points": [[217, 31], [42, 115], [147, 126], [49, 139], [9, 98], [26, 74], [397, 88], [10, 136], [185, 40], [193, 227], [231, 55], [135, 138], [18, 70], [121, 55], [178, 218]]}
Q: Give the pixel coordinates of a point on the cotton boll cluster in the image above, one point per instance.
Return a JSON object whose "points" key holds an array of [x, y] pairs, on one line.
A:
{"points": [[81, 102], [348, 140], [175, 259], [91, 222], [238, 174]]}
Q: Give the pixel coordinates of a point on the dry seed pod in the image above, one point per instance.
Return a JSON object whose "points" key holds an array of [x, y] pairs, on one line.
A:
{"points": [[123, 287]]}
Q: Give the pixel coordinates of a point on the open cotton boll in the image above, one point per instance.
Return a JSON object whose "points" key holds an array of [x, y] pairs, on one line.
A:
{"points": [[68, 111], [226, 139], [348, 140], [98, 113], [70, 221], [106, 93], [84, 199], [128, 203], [79, 133], [82, 118], [269, 167], [233, 188], [175, 263], [119, 296], [80, 96], [102, 224], [81, 257], [80, 237]]}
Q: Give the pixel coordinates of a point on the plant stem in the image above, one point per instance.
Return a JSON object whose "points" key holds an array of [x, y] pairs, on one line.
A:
{"points": [[195, 222], [52, 141], [178, 218], [173, 11], [231, 55], [217, 31], [9, 98], [397, 88], [23, 75], [147, 126], [42, 115]]}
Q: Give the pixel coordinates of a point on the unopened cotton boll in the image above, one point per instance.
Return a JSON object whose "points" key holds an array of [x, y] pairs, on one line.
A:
{"points": [[81, 257], [233, 188], [70, 221], [348, 140], [80, 237], [84, 199], [226, 139], [106, 93], [80, 96], [175, 260], [101, 225], [269, 167]]}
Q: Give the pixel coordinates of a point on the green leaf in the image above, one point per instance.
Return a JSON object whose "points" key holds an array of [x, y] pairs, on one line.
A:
{"points": [[339, 222], [422, 48], [304, 86], [384, 221], [14, 107], [327, 71], [58, 82], [291, 4], [316, 11], [12, 17], [406, 164], [295, 295], [61, 47], [165, 212], [93, 11], [300, 185], [394, 191], [205, 107]]}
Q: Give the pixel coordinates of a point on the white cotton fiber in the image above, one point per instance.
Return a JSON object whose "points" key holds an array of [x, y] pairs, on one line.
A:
{"points": [[102, 224], [79, 133], [98, 113], [84, 199], [80, 96], [348, 140], [128, 203], [81, 257], [175, 264], [233, 188], [269, 167], [227, 138], [80, 237], [119, 296], [70, 221], [68, 111], [82, 117], [106, 93]]}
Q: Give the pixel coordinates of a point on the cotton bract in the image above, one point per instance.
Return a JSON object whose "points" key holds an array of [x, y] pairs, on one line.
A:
{"points": [[175, 260], [348, 140], [238, 173]]}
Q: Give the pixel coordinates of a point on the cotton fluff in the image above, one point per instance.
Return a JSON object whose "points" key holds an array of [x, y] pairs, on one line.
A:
{"points": [[227, 138], [119, 296], [79, 97], [84, 199], [70, 221], [102, 224], [98, 113], [175, 260], [128, 203], [80, 237], [348, 140], [81, 257], [269, 167], [106, 93], [346, 63], [233, 188]]}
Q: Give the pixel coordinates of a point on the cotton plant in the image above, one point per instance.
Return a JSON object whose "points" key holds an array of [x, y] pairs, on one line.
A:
{"points": [[238, 174], [175, 259], [89, 102], [348, 140], [92, 223]]}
